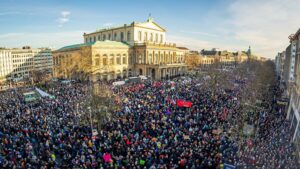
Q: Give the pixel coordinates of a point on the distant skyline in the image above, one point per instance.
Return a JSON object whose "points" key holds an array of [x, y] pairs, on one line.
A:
{"points": [[224, 24]]}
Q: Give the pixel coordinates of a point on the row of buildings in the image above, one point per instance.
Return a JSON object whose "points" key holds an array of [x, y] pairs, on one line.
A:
{"points": [[19, 63], [288, 72], [138, 48], [205, 58]]}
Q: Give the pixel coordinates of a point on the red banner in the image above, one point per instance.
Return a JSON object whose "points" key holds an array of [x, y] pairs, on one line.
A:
{"points": [[182, 103]]}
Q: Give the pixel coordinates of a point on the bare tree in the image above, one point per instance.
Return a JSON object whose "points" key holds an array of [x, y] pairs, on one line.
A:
{"points": [[192, 61]]}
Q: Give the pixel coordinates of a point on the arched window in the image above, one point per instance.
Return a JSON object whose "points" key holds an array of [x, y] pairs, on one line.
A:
{"points": [[150, 58], [156, 38], [161, 38], [97, 62], [104, 60], [128, 36], [112, 59]]}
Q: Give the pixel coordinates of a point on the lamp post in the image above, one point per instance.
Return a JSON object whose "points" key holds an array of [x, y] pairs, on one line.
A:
{"points": [[90, 116]]}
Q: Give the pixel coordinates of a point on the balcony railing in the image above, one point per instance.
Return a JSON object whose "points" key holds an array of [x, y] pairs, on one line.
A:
{"points": [[155, 44]]}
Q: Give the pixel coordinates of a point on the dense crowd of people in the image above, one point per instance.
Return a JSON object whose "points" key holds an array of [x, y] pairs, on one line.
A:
{"points": [[149, 131]]}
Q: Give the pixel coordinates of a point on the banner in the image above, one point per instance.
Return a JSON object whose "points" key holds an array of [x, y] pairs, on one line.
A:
{"points": [[228, 166], [182, 103]]}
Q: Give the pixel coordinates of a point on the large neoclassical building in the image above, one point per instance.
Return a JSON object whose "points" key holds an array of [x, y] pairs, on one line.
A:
{"points": [[120, 52]]}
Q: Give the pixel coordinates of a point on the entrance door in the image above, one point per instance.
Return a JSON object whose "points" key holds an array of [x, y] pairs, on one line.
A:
{"points": [[153, 73], [141, 72]]}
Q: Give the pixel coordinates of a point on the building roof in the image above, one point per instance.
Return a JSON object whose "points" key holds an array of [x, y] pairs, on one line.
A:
{"points": [[183, 48], [101, 43], [296, 34], [149, 20], [209, 52]]}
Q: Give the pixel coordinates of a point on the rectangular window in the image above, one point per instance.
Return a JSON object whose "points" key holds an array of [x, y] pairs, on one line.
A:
{"points": [[122, 36], [112, 61], [146, 36], [124, 60], [140, 35], [151, 37], [128, 36], [115, 36]]}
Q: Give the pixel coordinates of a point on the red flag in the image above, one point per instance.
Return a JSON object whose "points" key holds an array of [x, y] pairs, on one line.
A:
{"points": [[182, 103]]}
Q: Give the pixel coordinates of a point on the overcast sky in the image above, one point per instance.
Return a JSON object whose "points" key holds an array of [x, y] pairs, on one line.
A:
{"points": [[225, 24]]}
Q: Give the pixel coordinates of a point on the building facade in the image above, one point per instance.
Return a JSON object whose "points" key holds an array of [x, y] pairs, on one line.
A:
{"points": [[159, 60], [6, 65], [17, 64], [287, 77], [142, 45], [294, 105], [100, 60], [130, 33], [224, 59]]}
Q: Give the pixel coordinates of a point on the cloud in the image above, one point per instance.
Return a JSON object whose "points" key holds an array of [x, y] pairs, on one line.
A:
{"points": [[64, 18], [191, 43], [108, 24], [65, 13], [265, 25], [199, 33], [9, 13], [10, 35]]}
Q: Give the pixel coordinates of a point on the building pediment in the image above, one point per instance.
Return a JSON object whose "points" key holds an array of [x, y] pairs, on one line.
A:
{"points": [[151, 25]]}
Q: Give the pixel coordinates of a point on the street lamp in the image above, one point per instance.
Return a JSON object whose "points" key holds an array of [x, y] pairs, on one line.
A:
{"points": [[90, 116]]}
